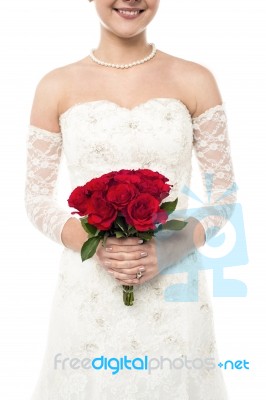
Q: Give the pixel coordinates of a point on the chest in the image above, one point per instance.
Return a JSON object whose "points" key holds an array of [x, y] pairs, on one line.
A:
{"points": [[128, 89]]}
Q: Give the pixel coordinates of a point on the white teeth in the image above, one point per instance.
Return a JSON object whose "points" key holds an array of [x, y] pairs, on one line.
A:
{"points": [[128, 12]]}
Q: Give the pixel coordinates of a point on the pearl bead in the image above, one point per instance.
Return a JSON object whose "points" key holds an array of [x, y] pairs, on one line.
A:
{"points": [[124, 66]]}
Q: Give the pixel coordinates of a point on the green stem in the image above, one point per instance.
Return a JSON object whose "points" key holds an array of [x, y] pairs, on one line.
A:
{"points": [[128, 295]]}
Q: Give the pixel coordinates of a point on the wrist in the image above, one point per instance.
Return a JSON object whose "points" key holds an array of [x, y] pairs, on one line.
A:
{"points": [[73, 235], [199, 236], [173, 246]]}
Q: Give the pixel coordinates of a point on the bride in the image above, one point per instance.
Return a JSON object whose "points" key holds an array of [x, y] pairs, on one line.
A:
{"points": [[128, 105]]}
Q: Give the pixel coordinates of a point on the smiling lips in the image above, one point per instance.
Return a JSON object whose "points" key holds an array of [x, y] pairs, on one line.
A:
{"points": [[128, 13]]}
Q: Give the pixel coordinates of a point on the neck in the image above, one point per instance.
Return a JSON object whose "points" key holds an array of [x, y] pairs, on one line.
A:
{"points": [[115, 49]]}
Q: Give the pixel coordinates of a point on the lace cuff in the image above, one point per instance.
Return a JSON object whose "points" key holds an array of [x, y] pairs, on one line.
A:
{"points": [[43, 159], [212, 149]]}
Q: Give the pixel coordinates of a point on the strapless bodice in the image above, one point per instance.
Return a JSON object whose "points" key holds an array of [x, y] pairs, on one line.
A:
{"points": [[101, 136]]}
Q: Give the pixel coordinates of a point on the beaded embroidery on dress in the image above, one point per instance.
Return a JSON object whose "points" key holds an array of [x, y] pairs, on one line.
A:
{"points": [[88, 316]]}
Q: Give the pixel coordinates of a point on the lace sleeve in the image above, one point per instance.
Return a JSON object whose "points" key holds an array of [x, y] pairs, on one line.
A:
{"points": [[212, 149], [43, 160]]}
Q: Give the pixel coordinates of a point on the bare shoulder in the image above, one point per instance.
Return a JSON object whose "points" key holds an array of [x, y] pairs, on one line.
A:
{"points": [[48, 94], [196, 81], [203, 85], [44, 112]]}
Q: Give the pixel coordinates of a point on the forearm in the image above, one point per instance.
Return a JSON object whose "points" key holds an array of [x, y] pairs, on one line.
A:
{"points": [[212, 149], [173, 246], [73, 235], [45, 213]]}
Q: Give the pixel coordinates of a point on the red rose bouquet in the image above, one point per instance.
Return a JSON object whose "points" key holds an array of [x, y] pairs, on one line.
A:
{"points": [[122, 204]]}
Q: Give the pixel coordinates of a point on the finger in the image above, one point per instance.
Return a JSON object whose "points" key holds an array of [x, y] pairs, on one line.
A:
{"points": [[126, 265], [126, 257], [116, 251], [127, 279], [128, 282], [132, 271], [124, 277], [127, 273], [131, 241], [114, 248]]}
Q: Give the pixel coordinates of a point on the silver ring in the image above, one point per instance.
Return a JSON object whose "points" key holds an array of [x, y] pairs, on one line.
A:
{"points": [[139, 275]]}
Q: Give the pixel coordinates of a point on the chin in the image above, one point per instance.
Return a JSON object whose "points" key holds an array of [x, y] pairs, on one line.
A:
{"points": [[127, 35]]}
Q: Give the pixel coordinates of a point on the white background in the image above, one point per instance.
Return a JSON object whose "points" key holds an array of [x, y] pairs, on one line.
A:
{"points": [[37, 36]]}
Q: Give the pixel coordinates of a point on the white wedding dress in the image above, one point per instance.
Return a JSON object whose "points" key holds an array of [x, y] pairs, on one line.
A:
{"points": [[88, 316]]}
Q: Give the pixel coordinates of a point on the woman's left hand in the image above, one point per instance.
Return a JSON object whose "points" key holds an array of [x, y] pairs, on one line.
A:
{"points": [[123, 258]]}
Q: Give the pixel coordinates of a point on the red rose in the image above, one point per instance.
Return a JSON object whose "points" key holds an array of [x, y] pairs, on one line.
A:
{"points": [[78, 199], [100, 212], [121, 194], [126, 175], [109, 175], [97, 184], [144, 212], [156, 188], [153, 175]]}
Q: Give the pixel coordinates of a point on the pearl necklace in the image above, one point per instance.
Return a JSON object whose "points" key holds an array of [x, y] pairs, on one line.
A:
{"points": [[138, 62]]}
